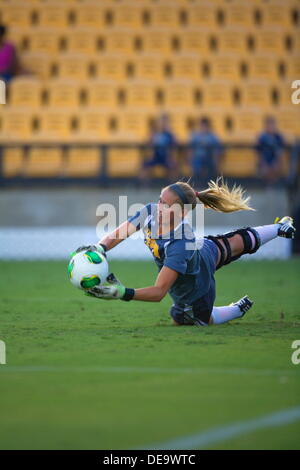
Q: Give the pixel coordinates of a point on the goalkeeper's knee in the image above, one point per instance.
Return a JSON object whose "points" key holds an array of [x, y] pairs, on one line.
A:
{"points": [[251, 242]]}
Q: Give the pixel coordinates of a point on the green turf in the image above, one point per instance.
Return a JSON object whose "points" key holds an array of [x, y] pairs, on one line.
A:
{"points": [[83, 373]]}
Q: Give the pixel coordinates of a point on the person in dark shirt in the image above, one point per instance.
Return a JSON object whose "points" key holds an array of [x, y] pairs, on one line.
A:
{"points": [[270, 146], [162, 142], [205, 151], [8, 57]]}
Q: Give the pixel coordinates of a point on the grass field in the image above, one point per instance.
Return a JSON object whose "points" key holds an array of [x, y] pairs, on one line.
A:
{"points": [[88, 374]]}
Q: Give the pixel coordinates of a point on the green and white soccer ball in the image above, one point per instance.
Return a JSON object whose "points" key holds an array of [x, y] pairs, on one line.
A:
{"points": [[88, 269]]}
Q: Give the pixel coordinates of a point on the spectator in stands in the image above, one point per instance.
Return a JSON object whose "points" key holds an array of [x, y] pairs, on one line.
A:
{"points": [[162, 142], [293, 178], [8, 57], [205, 152], [270, 146]]}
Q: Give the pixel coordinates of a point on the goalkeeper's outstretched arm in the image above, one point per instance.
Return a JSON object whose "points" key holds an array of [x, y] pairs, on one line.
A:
{"points": [[125, 230], [117, 290]]}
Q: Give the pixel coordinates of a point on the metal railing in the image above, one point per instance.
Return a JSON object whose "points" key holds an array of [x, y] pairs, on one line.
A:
{"points": [[102, 177]]}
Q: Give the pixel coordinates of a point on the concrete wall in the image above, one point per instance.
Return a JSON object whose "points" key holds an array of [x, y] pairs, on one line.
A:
{"points": [[77, 207], [50, 223]]}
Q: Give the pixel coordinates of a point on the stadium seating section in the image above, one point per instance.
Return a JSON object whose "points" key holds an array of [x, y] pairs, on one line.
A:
{"points": [[101, 71]]}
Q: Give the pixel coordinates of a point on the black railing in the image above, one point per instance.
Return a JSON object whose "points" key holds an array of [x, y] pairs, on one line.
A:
{"points": [[102, 176]]}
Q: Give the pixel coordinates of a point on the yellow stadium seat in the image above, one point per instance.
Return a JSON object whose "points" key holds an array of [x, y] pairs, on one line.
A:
{"points": [[74, 65], [149, 66], [37, 63], [233, 40], [92, 14], [53, 14], [217, 93], [112, 67], [133, 125], [140, 93], [247, 123], [13, 162], [270, 40], [288, 118], [254, 2], [123, 162], [102, 93], [46, 40], [157, 40], [256, 93], [239, 14], [186, 66], [276, 14], [63, 93], [128, 14], [179, 94], [83, 163], [179, 124], [18, 35], [164, 15], [94, 125], [158, 172], [202, 14], [25, 91], [195, 40], [82, 40], [54, 124], [181, 3], [119, 41], [217, 117], [43, 162], [239, 163], [188, 3], [16, 123], [296, 42], [17, 13], [263, 66], [292, 65], [225, 66]]}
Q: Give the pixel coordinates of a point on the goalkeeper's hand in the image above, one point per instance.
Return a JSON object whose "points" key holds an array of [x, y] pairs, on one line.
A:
{"points": [[100, 248], [115, 291]]}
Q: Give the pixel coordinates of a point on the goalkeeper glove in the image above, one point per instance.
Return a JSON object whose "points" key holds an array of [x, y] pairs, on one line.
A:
{"points": [[115, 291]]}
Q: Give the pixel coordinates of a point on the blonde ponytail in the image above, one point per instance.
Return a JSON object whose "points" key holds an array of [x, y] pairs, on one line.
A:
{"points": [[222, 199]]}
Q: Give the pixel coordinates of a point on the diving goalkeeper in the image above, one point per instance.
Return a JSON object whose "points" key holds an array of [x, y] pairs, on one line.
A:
{"points": [[186, 268]]}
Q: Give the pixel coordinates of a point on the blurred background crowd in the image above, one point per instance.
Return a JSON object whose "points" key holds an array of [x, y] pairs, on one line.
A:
{"points": [[134, 94]]}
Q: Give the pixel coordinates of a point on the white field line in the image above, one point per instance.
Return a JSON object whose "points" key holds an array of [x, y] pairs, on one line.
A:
{"points": [[148, 370], [220, 434], [202, 439]]}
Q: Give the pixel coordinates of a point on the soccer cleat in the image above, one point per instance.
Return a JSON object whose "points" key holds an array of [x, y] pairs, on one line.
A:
{"points": [[244, 304], [286, 229]]}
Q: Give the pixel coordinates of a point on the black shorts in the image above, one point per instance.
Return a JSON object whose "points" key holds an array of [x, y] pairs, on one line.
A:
{"points": [[199, 312]]}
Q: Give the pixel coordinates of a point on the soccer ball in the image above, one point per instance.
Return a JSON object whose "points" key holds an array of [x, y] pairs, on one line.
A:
{"points": [[88, 269]]}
